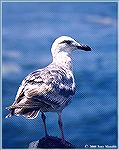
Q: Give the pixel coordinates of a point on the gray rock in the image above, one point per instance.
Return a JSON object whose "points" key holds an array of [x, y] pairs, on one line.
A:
{"points": [[50, 142]]}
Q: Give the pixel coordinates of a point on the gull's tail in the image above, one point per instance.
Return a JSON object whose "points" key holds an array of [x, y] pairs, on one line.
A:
{"points": [[11, 113], [27, 112]]}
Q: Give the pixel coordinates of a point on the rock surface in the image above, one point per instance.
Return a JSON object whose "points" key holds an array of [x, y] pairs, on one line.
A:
{"points": [[50, 142]]}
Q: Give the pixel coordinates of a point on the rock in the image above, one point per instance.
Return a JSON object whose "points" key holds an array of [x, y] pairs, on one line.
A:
{"points": [[50, 142]]}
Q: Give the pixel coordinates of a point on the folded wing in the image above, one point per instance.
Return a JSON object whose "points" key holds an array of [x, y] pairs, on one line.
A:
{"points": [[47, 89]]}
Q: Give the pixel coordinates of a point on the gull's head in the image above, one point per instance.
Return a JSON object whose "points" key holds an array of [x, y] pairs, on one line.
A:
{"points": [[67, 44]]}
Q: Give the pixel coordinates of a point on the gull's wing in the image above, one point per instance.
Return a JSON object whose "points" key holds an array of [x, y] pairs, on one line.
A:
{"points": [[45, 89]]}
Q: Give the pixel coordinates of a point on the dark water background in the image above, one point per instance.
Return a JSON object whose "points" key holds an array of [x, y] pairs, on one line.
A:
{"points": [[28, 32]]}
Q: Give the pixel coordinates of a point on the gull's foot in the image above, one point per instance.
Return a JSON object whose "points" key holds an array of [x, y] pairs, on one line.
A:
{"points": [[47, 136], [63, 141]]}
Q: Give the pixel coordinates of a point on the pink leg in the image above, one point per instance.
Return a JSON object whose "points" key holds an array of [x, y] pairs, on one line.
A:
{"points": [[61, 126], [44, 123]]}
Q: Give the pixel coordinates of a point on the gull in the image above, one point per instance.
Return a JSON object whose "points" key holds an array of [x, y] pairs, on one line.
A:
{"points": [[49, 89]]}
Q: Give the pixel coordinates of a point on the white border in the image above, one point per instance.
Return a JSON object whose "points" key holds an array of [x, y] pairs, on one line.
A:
{"points": [[45, 1], [11, 1], [1, 74]]}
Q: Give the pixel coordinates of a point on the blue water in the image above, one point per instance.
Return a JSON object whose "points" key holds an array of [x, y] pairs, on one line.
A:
{"points": [[28, 32]]}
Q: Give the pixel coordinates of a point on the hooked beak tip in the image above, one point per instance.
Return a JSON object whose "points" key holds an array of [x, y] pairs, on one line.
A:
{"points": [[84, 47]]}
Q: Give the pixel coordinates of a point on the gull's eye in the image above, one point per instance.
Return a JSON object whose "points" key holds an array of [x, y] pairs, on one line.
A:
{"points": [[66, 41]]}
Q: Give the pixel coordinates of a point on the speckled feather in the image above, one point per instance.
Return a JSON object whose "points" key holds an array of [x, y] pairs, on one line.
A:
{"points": [[48, 89]]}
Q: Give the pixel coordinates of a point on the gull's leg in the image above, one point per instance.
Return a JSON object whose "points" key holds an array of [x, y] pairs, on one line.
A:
{"points": [[44, 123], [61, 125]]}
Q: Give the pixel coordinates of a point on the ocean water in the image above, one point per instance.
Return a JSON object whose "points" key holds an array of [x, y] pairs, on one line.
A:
{"points": [[29, 29]]}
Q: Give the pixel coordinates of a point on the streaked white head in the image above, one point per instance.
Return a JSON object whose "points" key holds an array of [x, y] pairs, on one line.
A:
{"points": [[66, 44]]}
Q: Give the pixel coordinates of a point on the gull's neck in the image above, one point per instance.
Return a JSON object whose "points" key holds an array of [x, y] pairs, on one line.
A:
{"points": [[63, 59]]}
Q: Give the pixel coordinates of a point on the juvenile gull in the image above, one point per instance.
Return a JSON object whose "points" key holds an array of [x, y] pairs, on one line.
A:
{"points": [[49, 89]]}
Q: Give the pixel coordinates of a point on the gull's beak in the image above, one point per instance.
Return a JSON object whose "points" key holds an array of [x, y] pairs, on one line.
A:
{"points": [[82, 47]]}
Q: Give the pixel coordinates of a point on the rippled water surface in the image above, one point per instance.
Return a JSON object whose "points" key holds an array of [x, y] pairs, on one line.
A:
{"points": [[28, 32]]}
